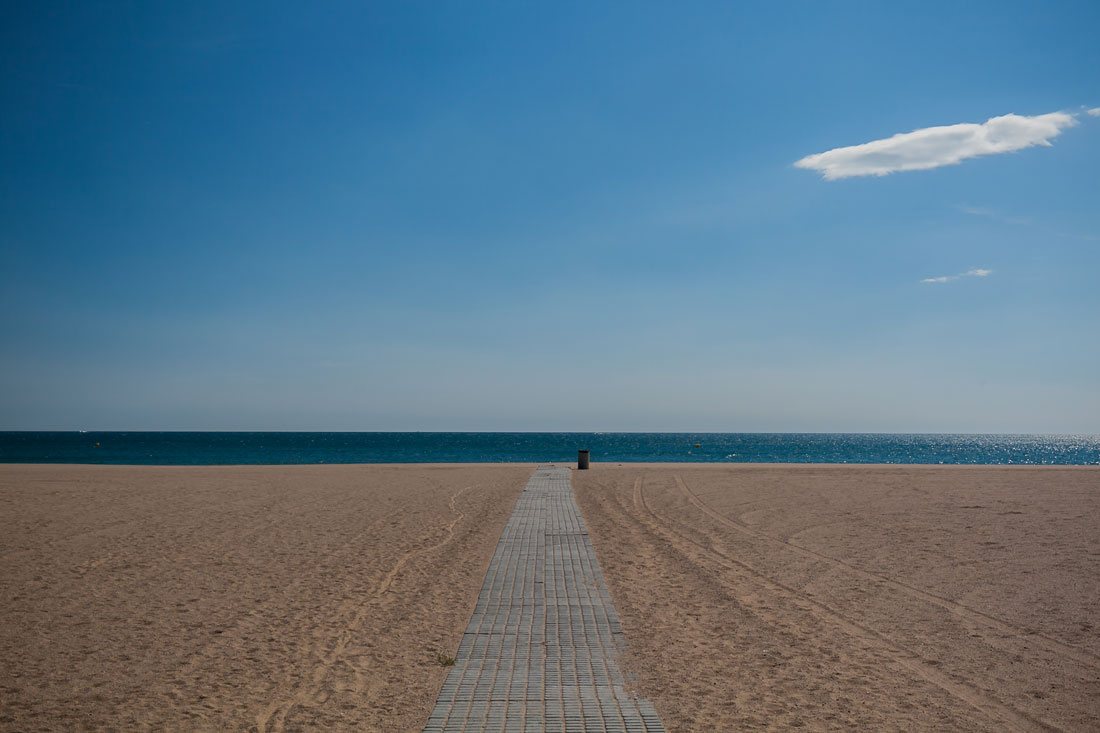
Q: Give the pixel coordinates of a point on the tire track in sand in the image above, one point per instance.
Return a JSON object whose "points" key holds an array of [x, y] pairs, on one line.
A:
{"points": [[273, 717], [1008, 717], [1054, 646]]}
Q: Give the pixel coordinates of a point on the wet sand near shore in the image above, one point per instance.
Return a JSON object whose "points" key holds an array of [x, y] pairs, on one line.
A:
{"points": [[855, 597], [238, 598]]}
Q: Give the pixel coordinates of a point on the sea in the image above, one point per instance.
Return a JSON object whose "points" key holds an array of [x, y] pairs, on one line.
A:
{"points": [[233, 448]]}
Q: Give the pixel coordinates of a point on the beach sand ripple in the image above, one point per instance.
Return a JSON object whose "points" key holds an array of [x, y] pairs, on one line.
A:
{"points": [[237, 598], [855, 598]]}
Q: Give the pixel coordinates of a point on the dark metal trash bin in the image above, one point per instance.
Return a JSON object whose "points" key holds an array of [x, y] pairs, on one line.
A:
{"points": [[582, 460]]}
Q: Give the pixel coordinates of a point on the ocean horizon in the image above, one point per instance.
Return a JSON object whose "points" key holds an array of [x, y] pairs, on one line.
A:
{"points": [[285, 448]]}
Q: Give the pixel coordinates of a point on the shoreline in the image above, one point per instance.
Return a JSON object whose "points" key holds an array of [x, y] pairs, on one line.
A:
{"points": [[532, 464], [292, 448]]}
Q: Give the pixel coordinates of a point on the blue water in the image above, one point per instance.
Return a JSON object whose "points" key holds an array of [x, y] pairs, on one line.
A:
{"points": [[282, 448]]}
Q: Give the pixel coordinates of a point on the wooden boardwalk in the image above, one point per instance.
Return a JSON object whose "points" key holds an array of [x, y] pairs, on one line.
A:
{"points": [[540, 651]]}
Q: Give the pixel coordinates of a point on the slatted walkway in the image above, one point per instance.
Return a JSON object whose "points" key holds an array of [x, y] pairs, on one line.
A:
{"points": [[540, 651]]}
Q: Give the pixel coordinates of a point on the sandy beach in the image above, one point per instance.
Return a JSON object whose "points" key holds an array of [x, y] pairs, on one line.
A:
{"points": [[238, 598], [293, 598], [855, 598]]}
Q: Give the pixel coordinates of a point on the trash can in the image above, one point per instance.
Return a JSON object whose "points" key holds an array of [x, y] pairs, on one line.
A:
{"points": [[582, 460]]}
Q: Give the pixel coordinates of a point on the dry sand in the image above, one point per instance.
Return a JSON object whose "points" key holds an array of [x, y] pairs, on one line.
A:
{"points": [[220, 598], [859, 598], [291, 598]]}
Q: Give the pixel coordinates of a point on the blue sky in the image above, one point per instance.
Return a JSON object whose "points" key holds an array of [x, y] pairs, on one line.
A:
{"points": [[506, 216]]}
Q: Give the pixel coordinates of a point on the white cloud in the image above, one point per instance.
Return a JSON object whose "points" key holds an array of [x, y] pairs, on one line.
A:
{"points": [[976, 272], [1094, 112], [932, 147]]}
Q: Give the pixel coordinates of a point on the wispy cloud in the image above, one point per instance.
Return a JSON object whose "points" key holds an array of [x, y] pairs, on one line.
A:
{"points": [[1094, 112], [976, 272], [993, 214], [976, 210], [933, 147]]}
